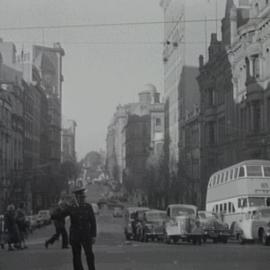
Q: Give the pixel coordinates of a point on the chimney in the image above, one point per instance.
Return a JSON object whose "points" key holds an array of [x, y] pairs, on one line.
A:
{"points": [[201, 61]]}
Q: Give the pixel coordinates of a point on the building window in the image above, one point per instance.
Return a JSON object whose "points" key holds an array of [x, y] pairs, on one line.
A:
{"points": [[256, 116], [211, 133], [256, 66], [242, 119], [158, 122], [210, 97], [221, 130], [247, 68], [268, 113]]}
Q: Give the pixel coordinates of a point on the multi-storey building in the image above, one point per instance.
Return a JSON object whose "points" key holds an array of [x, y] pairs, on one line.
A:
{"points": [[48, 65], [34, 82], [234, 87], [173, 58], [11, 134], [68, 141], [143, 139], [116, 137]]}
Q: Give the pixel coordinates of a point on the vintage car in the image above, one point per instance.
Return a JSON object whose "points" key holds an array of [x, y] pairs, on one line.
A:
{"points": [[130, 221], [43, 217], [182, 223], [151, 225], [3, 235], [118, 211], [255, 226], [213, 227]]}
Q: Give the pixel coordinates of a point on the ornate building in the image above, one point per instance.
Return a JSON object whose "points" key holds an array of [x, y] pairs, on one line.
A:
{"points": [[234, 85]]}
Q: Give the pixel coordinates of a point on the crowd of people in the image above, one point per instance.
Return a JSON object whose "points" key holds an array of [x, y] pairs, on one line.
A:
{"points": [[15, 228]]}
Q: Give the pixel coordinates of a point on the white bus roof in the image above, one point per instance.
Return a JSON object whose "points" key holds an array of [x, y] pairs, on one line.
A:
{"points": [[245, 162], [255, 186]]}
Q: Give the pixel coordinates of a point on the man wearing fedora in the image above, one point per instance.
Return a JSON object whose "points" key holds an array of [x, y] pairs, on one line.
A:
{"points": [[83, 229]]}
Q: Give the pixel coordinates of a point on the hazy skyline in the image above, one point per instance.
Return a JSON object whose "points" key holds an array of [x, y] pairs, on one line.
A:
{"points": [[103, 66]]}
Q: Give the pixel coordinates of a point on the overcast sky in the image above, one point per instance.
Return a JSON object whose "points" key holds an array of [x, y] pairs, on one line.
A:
{"points": [[103, 66]]}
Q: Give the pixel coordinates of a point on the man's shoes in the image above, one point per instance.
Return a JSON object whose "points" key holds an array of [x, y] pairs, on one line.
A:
{"points": [[65, 247], [46, 244]]}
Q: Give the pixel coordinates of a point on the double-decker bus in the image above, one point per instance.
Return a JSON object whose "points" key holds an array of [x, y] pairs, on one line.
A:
{"points": [[239, 189]]}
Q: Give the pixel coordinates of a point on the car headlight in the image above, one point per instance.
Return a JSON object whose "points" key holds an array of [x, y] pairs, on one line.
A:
{"points": [[173, 222]]}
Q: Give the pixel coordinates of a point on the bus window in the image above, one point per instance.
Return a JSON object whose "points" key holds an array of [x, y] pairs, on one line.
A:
{"points": [[254, 170], [216, 208], [239, 203], [230, 207], [268, 202], [221, 177], [236, 173], [226, 176], [231, 174], [242, 172], [266, 171], [221, 207], [256, 201], [218, 177], [225, 207], [244, 203]]}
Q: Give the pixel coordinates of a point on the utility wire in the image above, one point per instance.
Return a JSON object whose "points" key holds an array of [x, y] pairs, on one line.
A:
{"points": [[95, 25]]}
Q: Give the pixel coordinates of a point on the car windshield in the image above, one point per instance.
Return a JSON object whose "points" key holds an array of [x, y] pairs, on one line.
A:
{"points": [[265, 212], [256, 201], [158, 216], [182, 211], [207, 215]]}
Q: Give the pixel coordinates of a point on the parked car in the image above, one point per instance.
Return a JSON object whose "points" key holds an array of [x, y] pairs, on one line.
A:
{"points": [[118, 211], [32, 222], [95, 208], [182, 224], [3, 235], [129, 225], [43, 217], [255, 226], [151, 225], [213, 227]]}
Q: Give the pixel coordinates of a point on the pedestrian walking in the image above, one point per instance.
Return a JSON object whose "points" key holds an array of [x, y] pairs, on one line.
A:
{"points": [[60, 228], [11, 228], [21, 222], [82, 229]]}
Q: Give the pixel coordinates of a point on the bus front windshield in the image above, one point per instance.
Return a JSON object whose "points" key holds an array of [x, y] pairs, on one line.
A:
{"points": [[256, 201]]}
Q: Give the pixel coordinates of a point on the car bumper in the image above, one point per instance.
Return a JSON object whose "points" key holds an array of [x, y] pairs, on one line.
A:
{"points": [[216, 233]]}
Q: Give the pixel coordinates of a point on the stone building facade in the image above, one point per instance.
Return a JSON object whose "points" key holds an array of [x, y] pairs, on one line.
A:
{"points": [[68, 141], [11, 135], [234, 86]]}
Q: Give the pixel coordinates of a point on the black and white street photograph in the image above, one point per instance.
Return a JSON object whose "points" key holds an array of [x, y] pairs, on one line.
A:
{"points": [[134, 134]]}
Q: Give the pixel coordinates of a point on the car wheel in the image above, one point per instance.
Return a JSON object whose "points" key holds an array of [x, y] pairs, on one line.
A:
{"points": [[167, 238], [127, 237], [215, 240], [204, 238], [175, 239], [224, 240], [241, 239], [265, 240]]}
